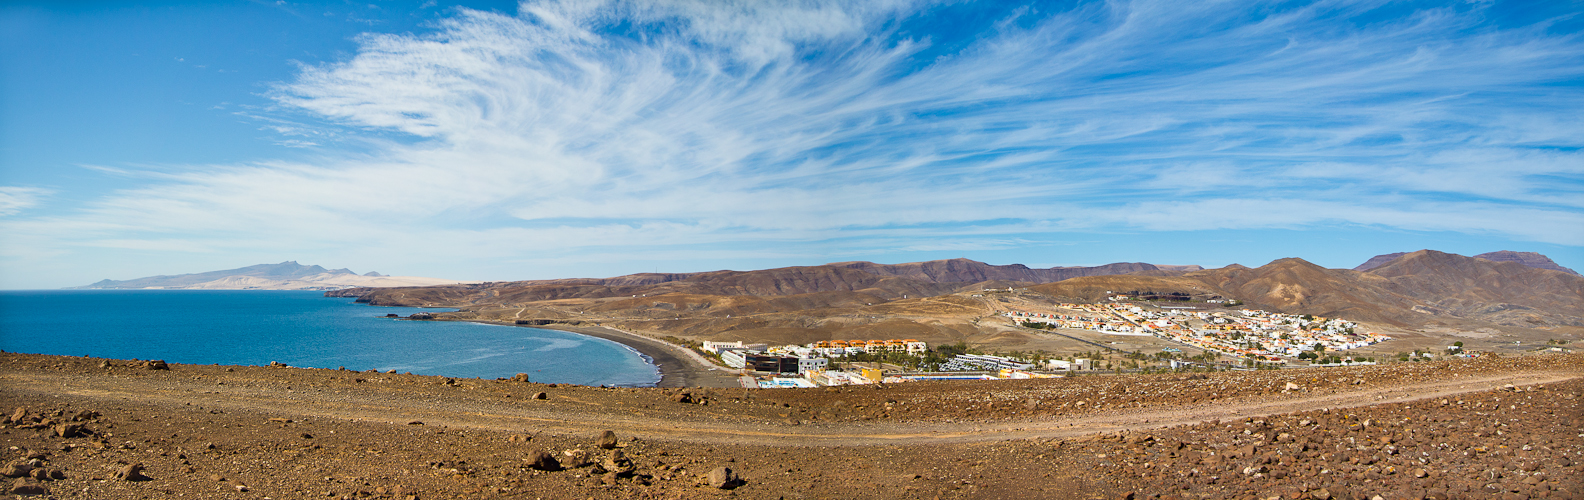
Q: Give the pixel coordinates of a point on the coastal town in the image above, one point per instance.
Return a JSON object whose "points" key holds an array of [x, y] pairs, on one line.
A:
{"points": [[1261, 336], [1251, 338]]}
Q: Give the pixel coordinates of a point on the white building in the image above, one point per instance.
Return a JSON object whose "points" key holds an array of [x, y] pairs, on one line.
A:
{"points": [[735, 358], [812, 364], [719, 347]]}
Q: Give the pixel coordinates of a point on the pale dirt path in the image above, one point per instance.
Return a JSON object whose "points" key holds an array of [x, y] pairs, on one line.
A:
{"points": [[571, 416]]}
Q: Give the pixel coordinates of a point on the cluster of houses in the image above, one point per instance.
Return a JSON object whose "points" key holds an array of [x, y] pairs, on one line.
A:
{"points": [[805, 358], [809, 365], [1254, 334]]}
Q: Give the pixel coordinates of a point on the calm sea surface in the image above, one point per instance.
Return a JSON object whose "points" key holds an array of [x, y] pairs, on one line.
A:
{"points": [[301, 328]]}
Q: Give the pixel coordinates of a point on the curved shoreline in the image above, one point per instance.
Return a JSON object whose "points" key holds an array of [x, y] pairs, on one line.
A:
{"points": [[677, 367]]}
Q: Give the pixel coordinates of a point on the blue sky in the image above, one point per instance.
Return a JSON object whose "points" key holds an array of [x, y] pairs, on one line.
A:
{"points": [[495, 141]]}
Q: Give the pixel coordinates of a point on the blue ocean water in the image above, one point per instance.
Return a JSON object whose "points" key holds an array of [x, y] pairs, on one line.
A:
{"points": [[301, 328]]}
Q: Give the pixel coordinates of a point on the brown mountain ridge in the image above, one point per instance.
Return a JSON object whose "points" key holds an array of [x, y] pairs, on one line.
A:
{"points": [[942, 301]]}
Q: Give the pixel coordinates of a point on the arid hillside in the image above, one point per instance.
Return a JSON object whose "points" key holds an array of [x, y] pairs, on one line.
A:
{"points": [[1414, 289], [958, 300], [968, 271], [1506, 293]]}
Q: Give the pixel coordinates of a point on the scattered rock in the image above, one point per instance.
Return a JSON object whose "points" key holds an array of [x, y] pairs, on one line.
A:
{"points": [[132, 472], [158, 364], [617, 463], [722, 477], [541, 395], [521, 377], [540, 460], [606, 441], [28, 487], [16, 469], [573, 459], [1292, 387]]}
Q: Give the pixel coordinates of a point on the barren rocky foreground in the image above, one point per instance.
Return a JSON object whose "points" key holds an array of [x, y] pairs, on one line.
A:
{"points": [[1484, 428]]}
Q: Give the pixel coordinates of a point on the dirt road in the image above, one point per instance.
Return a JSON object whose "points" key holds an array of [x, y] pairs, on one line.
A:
{"points": [[1415, 430], [574, 411]]}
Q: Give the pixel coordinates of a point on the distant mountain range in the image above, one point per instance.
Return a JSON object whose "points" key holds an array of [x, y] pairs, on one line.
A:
{"points": [[968, 271], [287, 275], [944, 300], [1412, 288], [1530, 259]]}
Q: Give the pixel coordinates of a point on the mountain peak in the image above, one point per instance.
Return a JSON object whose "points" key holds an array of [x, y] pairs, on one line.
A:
{"points": [[1379, 260], [1531, 259]]}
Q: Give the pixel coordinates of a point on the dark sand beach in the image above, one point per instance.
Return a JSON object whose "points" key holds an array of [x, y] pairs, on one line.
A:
{"points": [[677, 367]]}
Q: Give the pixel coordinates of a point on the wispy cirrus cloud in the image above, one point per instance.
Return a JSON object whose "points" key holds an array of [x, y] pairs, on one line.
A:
{"points": [[14, 199], [577, 128]]}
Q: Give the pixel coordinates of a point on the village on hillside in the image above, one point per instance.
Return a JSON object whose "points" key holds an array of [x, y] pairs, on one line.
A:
{"points": [[1260, 336], [1253, 339]]}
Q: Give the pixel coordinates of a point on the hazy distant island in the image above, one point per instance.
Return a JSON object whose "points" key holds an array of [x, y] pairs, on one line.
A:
{"points": [[287, 275]]}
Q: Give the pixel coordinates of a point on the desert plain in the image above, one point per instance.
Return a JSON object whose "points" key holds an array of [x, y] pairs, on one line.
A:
{"points": [[1493, 427]]}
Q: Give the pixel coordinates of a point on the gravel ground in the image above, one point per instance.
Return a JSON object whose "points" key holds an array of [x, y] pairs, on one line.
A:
{"points": [[1453, 429]]}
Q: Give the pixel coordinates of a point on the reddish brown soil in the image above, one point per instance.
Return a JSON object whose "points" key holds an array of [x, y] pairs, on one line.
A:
{"points": [[205, 431]]}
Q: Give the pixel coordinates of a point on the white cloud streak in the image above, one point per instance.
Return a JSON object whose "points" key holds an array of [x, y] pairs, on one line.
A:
{"points": [[14, 199], [578, 126]]}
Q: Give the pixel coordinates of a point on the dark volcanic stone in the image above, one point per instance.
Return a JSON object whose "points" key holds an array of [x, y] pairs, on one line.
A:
{"points": [[28, 487], [69, 430], [607, 440], [132, 472], [722, 477], [541, 460], [16, 469]]}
